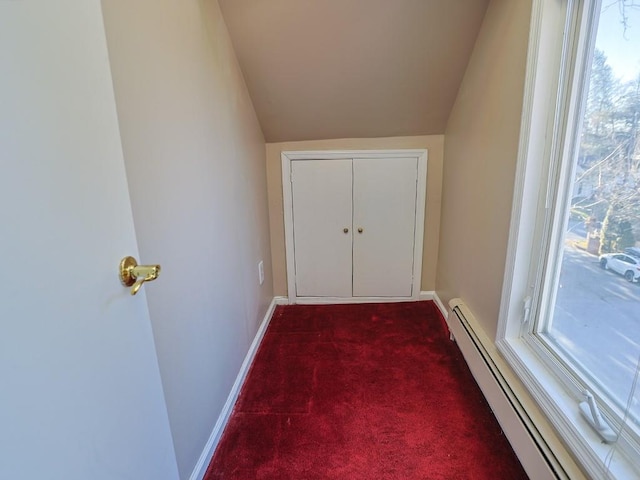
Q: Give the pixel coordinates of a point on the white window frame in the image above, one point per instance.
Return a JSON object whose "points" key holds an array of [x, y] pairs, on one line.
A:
{"points": [[560, 30]]}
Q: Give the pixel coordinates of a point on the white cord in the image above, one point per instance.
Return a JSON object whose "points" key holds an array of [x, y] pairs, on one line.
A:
{"points": [[634, 385]]}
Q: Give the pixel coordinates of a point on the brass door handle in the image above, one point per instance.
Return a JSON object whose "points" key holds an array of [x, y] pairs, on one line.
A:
{"points": [[360, 230], [345, 230], [134, 275]]}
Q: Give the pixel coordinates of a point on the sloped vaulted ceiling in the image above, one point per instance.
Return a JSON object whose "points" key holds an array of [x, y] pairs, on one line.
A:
{"points": [[320, 69]]}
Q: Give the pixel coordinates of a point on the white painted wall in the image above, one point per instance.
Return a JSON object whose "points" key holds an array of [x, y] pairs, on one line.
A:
{"points": [[195, 161], [480, 151]]}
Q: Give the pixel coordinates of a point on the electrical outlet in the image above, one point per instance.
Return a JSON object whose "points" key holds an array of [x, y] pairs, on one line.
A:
{"points": [[261, 272]]}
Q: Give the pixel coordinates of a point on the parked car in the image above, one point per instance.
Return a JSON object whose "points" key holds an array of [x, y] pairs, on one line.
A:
{"points": [[626, 265]]}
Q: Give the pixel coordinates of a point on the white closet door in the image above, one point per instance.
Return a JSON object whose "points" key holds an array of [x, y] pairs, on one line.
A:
{"points": [[322, 209], [384, 208]]}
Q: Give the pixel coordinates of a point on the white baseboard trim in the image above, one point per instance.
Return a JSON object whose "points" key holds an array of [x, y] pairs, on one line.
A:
{"points": [[281, 300], [432, 295], [205, 458], [349, 300], [423, 295]]}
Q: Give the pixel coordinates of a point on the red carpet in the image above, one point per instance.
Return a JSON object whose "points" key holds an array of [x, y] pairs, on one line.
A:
{"points": [[369, 392]]}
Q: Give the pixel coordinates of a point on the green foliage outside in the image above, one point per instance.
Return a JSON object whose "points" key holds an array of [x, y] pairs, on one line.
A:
{"points": [[617, 232]]}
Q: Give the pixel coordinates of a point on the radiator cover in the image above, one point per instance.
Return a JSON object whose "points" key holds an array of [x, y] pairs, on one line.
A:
{"points": [[538, 455]]}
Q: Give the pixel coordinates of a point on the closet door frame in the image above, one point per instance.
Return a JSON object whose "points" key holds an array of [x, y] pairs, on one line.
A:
{"points": [[291, 156]]}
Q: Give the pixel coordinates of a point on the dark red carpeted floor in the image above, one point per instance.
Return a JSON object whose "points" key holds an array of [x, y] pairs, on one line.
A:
{"points": [[350, 392]]}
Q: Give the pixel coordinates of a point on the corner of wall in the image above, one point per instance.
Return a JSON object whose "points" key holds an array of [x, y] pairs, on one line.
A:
{"points": [[195, 161], [480, 153]]}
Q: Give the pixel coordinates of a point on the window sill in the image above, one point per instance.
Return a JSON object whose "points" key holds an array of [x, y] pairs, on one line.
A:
{"points": [[561, 408]]}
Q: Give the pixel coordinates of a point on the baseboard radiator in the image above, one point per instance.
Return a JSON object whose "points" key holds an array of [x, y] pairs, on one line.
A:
{"points": [[536, 454]]}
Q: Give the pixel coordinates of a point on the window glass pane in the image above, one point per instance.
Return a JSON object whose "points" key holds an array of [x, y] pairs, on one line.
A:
{"points": [[595, 321]]}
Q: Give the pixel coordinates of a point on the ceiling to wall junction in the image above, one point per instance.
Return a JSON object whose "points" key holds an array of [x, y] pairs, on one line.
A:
{"points": [[319, 69]]}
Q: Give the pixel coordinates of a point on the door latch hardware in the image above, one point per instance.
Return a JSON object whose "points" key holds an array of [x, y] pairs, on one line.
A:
{"points": [[134, 275]]}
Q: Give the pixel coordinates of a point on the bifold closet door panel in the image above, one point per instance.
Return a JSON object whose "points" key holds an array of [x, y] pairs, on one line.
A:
{"points": [[322, 211], [384, 208]]}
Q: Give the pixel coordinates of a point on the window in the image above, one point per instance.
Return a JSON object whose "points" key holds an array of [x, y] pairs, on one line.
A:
{"points": [[570, 315]]}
